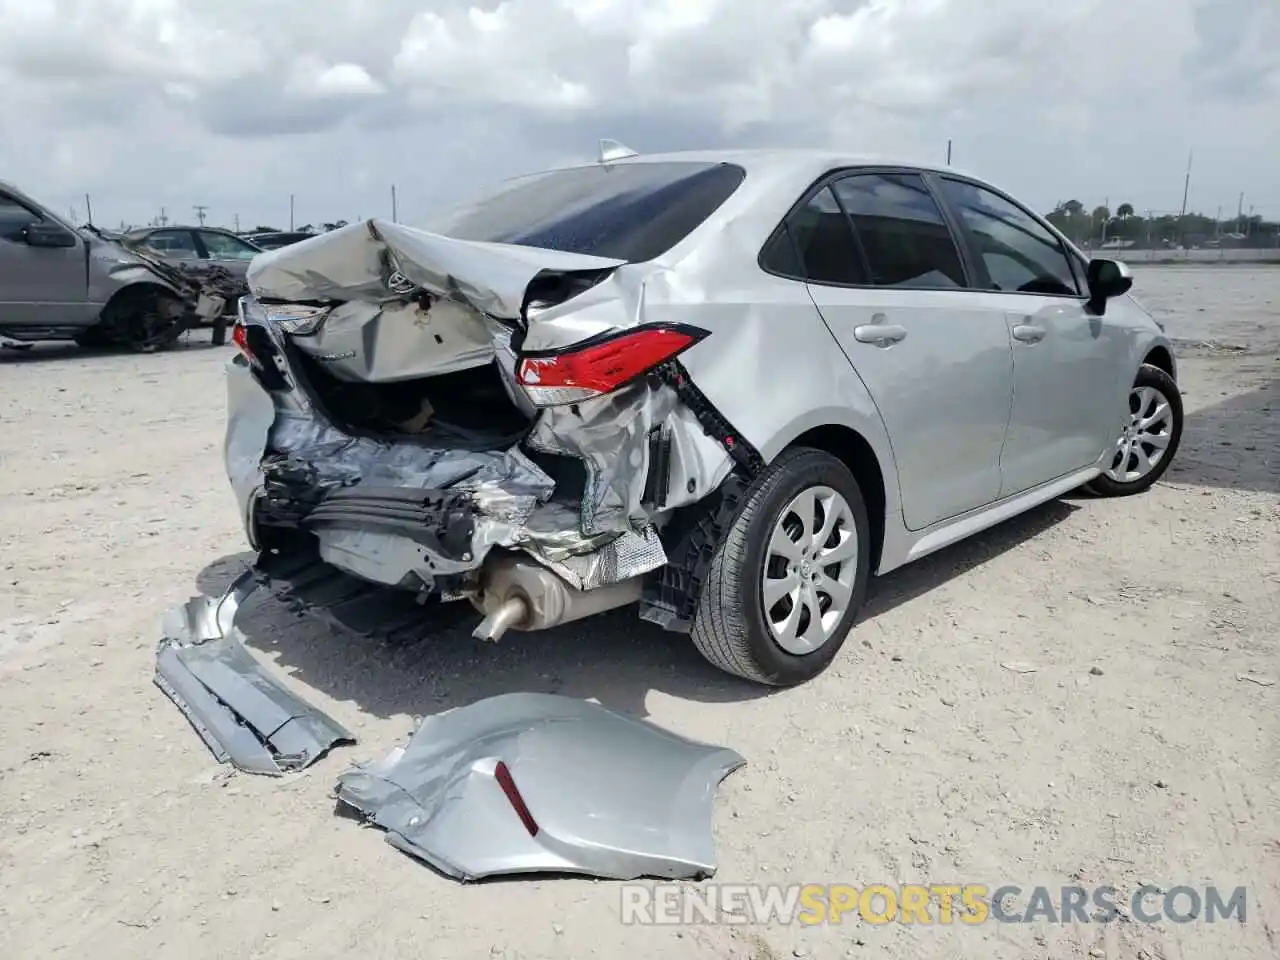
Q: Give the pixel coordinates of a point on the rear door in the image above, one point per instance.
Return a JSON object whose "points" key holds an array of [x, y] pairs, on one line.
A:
{"points": [[39, 286], [886, 273], [1069, 365], [227, 251]]}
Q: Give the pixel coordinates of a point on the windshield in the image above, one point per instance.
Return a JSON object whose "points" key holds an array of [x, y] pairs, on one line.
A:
{"points": [[626, 211]]}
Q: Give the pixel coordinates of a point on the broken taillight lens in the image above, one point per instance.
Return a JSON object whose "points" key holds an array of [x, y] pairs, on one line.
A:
{"points": [[503, 776], [602, 364]]}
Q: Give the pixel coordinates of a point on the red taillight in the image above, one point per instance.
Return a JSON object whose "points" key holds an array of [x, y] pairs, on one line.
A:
{"points": [[240, 338], [602, 365], [503, 776]]}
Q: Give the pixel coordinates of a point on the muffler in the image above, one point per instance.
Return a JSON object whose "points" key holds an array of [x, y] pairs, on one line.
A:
{"points": [[519, 593]]}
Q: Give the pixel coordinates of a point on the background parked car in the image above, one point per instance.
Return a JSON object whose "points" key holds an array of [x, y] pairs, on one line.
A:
{"points": [[199, 245], [277, 239]]}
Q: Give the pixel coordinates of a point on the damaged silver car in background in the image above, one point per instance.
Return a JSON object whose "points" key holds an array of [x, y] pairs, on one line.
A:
{"points": [[724, 386]]}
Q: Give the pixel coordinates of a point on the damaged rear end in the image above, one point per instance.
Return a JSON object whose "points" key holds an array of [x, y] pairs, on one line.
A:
{"points": [[465, 418]]}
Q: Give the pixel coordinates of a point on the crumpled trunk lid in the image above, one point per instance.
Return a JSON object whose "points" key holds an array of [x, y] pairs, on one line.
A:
{"points": [[409, 303]]}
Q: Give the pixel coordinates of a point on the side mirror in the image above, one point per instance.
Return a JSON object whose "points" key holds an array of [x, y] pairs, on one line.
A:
{"points": [[48, 235], [1106, 279]]}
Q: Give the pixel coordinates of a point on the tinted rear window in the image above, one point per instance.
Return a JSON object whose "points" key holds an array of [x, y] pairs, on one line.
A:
{"points": [[627, 211]]}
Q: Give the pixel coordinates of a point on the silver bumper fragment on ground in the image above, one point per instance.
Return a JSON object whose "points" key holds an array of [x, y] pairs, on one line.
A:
{"points": [[243, 715], [526, 782]]}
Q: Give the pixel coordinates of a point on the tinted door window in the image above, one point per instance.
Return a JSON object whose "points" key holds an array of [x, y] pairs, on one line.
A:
{"points": [[824, 243], [903, 233], [1020, 254], [176, 244], [222, 246], [627, 211], [14, 219]]}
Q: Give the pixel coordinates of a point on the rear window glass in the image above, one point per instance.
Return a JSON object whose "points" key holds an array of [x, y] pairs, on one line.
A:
{"points": [[626, 211]]}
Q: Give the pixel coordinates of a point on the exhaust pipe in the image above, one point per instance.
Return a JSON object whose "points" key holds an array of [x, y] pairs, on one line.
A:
{"points": [[522, 594]]}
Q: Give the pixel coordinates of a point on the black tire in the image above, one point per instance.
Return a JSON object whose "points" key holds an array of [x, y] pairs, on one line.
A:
{"points": [[729, 628], [96, 337], [219, 335], [1148, 376]]}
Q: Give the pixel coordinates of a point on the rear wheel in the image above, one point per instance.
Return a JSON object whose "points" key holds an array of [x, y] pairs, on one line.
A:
{"points": [[1149, 436], [786, 583]]}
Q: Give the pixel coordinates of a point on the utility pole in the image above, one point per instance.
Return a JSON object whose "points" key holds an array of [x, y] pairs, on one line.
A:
{"points": [[1217, 222], [393, 204], [948, 152], [1186, 189], [88, 206], [163, 219], [200, 208], [236, 219], [291, 213]]}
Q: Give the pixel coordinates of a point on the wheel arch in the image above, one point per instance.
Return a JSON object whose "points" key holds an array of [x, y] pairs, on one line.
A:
{"points": [[854, 450], [1161, 356], [138, 288]]}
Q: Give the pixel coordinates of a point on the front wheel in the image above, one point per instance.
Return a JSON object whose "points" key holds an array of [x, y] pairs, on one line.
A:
{"points": [[1149, 436], [787, 580]]}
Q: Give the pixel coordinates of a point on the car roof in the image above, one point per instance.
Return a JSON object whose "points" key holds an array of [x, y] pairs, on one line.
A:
{"points": [[788, 160], [181, 226]]}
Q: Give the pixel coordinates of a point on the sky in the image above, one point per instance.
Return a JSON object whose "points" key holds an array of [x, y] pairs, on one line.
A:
{"points": [[238, 104]]}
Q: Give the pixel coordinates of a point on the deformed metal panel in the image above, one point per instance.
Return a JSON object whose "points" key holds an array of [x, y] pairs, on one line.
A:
{"points": [[243, 714], [527, 782], [413, 304]]}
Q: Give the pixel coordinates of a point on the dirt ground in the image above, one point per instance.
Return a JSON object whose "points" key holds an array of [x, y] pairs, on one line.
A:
{"points": [[1138, 751]]}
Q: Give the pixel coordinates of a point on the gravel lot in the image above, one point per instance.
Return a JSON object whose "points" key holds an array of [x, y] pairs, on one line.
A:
{"points": [[1133, 753]]}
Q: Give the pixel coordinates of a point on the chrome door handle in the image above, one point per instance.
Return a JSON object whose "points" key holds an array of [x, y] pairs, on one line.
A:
{"points": [[881, 334], [1028, 333]]}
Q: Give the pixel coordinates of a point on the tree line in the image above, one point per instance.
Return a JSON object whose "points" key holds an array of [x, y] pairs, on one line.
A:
{"points": [[305, 228], [1127, 227]]}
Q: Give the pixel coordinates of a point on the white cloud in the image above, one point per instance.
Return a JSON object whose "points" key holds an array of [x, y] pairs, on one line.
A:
{"points": [[312, 78], [238, 104]]}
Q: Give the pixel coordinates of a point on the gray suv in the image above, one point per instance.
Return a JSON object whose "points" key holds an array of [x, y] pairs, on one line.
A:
{"points": [[59, 282]]}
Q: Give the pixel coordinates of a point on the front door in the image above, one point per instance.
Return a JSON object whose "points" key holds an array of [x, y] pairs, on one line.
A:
{"points": [[886, 275], [1067, 362], [39, 286]]}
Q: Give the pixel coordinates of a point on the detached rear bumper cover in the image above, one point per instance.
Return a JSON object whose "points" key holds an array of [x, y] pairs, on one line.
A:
{"points": [[243, 715], [526, 782]]}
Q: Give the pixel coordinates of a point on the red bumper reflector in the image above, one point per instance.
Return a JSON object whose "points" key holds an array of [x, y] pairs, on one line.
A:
{"points": [[503, 776]]}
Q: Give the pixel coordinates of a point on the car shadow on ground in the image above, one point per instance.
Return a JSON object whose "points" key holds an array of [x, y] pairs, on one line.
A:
{"points": [[1233, 444], [615, 658], [51, 350]]}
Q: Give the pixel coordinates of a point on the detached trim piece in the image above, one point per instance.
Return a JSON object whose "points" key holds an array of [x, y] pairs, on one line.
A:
{"points": [[239, 710]]}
